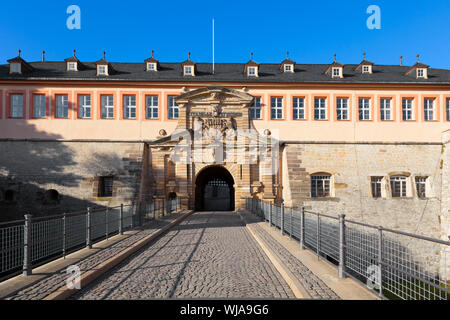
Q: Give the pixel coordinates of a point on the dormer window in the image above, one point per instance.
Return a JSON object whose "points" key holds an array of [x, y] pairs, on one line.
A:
{"points": [[101, 70], [367, 69], [288, 68], [151, 66], [15, 68], [72, 66], [252, 72], [188, 71], [152, 63], [421, 73], [336, 72]]}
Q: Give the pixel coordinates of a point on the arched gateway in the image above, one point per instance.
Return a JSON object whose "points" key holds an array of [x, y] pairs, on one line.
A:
{"points": [[214, 189]]}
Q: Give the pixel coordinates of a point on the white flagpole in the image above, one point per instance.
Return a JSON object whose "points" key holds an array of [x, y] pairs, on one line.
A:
{"points": [[213, 45]]}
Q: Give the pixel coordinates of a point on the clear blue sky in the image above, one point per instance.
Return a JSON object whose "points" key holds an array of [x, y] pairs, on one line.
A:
{"points": [[311, 30]]}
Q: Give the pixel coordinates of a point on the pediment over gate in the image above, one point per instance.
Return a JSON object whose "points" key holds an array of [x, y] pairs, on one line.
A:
{"points": [[214, 95]]}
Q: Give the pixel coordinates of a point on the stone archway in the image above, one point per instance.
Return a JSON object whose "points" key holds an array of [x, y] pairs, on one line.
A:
{"points": [[214, 189]]}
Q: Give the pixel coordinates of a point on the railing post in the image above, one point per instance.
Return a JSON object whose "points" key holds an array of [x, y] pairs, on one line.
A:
{"points": [[88, 229], [121, 219], [282, 219], [106, 223], [64, 219], [154, 209], [380, 260], [342, 246], [27, 246], [302, 229], [290, 231], [132, 210], [270, 213], [318, 237]]}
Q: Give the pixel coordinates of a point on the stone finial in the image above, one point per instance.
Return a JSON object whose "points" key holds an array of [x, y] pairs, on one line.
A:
{"points": [[251, 56], [43, 55], [104, 53], [401, 60], [267, 132], [189, 55], [162, 132], [74, 52], [152, 53], [287, 54], [334, 55], [19, 52], [417, 56], [364, 56]]}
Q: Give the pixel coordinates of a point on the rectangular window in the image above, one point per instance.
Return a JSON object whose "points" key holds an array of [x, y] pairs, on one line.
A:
{"points": [[364, 109], [298, 108], [448, 109], [255, 109], [16, 106], [84, 106], [420, 73], [107, 106], [101, 69], [173, 107], [15, 67], [252, 71], [39, 107], [151, 107], [105, 187], [428, 109], [421, 186], [129, 107], [188, 70], [276, 108], [398, 186], [62, 106], [342, 108], [72, 66], [151, 66], [336, 72], [320, 186], [407, 109], [320, 109], [365, 69], [376, 186], [386, 109]]}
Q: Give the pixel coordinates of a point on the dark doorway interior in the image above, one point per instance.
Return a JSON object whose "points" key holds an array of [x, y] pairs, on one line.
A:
{"points": [[214, 190]]}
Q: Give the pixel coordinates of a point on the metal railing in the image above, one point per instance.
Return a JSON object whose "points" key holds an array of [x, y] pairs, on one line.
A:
{"points": [[26, 243], [395, 264]]}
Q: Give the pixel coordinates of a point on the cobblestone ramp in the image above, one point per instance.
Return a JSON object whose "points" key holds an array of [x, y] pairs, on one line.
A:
{"points": [[208, 255], [313, 285]]}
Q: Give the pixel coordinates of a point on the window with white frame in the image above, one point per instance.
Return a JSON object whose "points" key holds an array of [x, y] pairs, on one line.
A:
{"points": [[172, 108], [398, 186], [386, 109], [448, 109], [320, 185], [16, 106], [288, 68], [84, 106], [107, 105], [407, 109], [420, 73], [151, 66], [421, 187], [255, 109], [364, 109], [342, 108], [151, 107], [252, 71], [276, 108], [188, 70], [298, 108], [15, 68], [39, 106], [428, 109], [62, 106], [376, 183], [366, 69], [101, 69], [129, 107], [336, 72], [72, 66], [320, 109]]}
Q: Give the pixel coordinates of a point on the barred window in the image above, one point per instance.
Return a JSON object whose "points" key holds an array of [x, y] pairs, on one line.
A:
{"points": [[320, 185], [276, 108], [376, 186], [407, 109], [298, 108], [129, 106], [385, 109], [84, 106], [39, 107], [16, 106], [428, 109], [364, 109], [151, 107], [62, 106], [398, 186], [320, 109], [255, 109], [173, 107], [342, 108], [105, 187], [421, 186], [107, 106]]}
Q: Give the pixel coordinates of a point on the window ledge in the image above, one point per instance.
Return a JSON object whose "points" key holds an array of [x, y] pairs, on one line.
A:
{"points": [[335, 199]]}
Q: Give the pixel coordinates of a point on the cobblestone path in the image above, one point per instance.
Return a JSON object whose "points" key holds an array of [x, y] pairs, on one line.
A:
{"points": [[208, 255]]}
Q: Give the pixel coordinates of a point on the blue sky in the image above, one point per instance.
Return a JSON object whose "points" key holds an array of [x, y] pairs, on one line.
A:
{"points": [[311, 30]]}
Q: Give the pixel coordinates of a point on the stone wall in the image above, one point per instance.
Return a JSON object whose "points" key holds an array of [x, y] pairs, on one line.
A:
{"points": [[445, 208], [30, 168], [352, 165]]}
